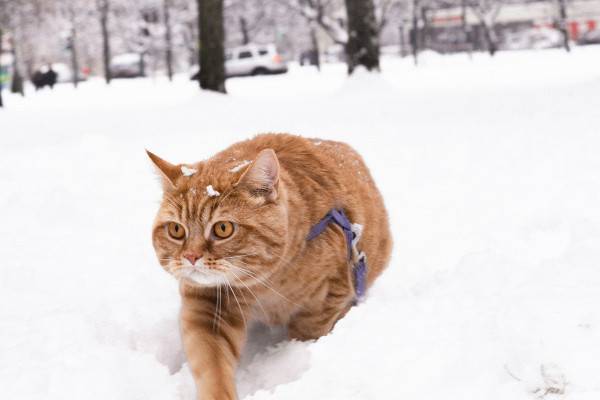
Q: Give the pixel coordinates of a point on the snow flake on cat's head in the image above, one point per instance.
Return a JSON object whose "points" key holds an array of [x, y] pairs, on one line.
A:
{"points": [[211, 192], [187, 171], [240, 166]]}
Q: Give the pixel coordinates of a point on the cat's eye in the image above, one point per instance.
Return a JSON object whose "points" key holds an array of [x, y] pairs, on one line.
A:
{"points": [[175, 230], [223, 229]]}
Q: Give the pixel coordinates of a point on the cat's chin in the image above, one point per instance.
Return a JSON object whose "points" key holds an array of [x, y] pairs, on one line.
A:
{"points": [[204, 278]]}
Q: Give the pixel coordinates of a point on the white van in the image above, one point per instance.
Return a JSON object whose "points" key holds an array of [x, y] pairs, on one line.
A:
{"points": [[251, 60]]}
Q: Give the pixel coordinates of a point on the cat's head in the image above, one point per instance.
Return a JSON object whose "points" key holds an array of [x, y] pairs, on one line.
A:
{"points": [[219, 225]]}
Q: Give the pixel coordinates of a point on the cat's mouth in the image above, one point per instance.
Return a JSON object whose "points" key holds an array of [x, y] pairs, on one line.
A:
{"points": [[202, 276], [217, 273]]}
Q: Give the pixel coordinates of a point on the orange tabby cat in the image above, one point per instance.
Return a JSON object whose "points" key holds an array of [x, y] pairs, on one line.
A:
{"points": [[233, 230]]}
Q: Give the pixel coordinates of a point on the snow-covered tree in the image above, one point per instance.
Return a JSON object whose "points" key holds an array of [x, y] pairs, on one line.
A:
{"points": [[329, 15], [487, 11], [355, 24], [12, 23], [74, 17]]}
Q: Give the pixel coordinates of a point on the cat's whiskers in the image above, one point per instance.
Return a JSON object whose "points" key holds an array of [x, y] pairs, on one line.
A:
{"points": [[168, 263], [231, 265], [252, 293], [241, 292], [239, 256], [250, 273], [227, 293], [217, 313], [230, 268], [258, 279], [285, 262], [238, 303]]}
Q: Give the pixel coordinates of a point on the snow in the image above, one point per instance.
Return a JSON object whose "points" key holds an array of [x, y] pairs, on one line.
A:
{"points": [[240, 166], [490, 172], [357, 229], [187, 171], [211, 192]]}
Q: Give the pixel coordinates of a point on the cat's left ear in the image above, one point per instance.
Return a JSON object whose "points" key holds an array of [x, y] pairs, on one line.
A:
{"points": [[262, 177], [169, 172]]}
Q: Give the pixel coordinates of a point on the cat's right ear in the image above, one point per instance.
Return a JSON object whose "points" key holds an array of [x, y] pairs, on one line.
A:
{"points": [[262, 176], [168, 171]]}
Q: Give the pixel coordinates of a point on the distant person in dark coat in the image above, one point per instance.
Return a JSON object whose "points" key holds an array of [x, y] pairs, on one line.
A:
{"points": [[38, 79], [41, 79], [51, 76]]}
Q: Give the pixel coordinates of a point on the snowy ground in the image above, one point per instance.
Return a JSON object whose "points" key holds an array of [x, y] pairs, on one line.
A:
{"points": [[491, 173]]}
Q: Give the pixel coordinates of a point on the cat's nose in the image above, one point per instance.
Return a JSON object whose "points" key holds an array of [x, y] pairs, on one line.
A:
{"points": [[192, 257]]}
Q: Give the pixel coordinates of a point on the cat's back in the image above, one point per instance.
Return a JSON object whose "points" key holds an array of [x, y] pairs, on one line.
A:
{"points": [[325, 174], [339, 163], [324, 168]]}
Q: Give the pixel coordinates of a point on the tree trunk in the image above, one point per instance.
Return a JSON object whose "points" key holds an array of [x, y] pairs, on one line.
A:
{"points": [[142, 63], [104, 8], [17, 79], [244, 29], [489, 38], [315, 54], [425, 29], [212, 53], [414, 33], [1, 83], [363, 42], [465, 27], [402, 38], [562, 24], [168, 38], [74, 60], [17, 82]]}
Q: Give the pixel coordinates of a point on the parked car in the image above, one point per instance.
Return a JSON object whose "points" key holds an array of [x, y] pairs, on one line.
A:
{"points": [[533, 38], [590, 37], [128, 65], [546, 38], [252, 60]]}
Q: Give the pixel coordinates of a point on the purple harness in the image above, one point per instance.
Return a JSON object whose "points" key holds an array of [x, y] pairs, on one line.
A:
{"points": [[338, 217]]}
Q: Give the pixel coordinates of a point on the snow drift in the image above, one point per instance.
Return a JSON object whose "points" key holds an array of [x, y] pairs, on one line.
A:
{"points": [[490, 171]]}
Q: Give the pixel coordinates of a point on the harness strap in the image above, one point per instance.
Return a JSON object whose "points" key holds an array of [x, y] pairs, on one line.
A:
{"points": [[352, 235]]}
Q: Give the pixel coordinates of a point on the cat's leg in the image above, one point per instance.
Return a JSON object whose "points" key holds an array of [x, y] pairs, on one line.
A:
{"points": [[317, 318], [212, 346]]}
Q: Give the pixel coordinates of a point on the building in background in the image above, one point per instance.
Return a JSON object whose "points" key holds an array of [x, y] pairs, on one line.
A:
{"points": [[517, 25]]}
